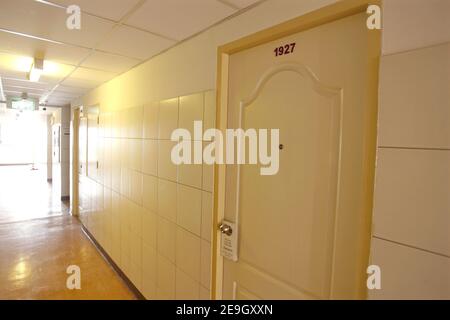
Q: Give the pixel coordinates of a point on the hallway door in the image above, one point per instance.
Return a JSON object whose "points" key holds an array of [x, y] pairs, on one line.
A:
{"points": [[83, 188], [303, 233]]}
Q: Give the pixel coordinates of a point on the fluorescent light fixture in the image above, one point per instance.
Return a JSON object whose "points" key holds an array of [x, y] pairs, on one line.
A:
{"points": [[22, 103], [30, 36], [2, 92], [36, 70]]}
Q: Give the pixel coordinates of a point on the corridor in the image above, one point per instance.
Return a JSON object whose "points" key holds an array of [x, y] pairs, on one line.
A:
{"points": [[224, 150], [39, 240]]}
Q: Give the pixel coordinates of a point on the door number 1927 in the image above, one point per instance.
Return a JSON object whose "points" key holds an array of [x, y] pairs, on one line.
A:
{"points": [[284, 50]]}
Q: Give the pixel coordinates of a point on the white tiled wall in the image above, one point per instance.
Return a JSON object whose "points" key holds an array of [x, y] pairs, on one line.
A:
{"points": [[408, 273], [411, 222], [152, 217]]}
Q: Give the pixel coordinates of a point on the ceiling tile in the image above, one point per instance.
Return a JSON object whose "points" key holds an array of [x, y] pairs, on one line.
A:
{"points": [[18, 93], [57, 102], [24, 89], [29, 47], [5, 73], [71, 90], [110, 62], [63, 95], [242, 3], [109, 9], [88, 78], [46, 21], [134, 43], [9, 82], [179, 19]]}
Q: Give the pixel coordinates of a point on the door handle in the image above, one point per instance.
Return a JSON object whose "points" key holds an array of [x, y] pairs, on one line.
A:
{"points": [[226, 229]]}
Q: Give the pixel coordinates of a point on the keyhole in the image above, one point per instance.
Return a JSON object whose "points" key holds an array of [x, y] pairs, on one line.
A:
{"points": [[281, 146]]}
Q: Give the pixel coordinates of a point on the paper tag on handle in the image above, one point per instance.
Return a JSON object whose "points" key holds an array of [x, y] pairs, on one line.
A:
{"points": [[229, 242]]}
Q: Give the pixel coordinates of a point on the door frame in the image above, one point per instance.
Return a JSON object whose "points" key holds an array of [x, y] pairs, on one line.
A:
{"points": [[337, 11], [74, 200]]}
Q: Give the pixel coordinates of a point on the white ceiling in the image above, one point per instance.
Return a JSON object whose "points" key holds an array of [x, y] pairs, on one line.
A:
{"points": [[115, 36]]}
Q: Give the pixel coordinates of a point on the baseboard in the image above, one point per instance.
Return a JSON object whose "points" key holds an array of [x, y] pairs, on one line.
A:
{"points": [[111, 262]]}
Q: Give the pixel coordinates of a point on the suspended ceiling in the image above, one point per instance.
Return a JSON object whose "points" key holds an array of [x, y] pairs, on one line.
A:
{"points": [[115, 36]]}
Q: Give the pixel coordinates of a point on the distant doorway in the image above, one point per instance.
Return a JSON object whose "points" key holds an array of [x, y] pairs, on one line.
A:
{"points": [[26, 191], [26, 194]]}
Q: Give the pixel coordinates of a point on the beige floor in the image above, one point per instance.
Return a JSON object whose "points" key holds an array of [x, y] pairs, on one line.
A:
{"points": [[37, 244]]}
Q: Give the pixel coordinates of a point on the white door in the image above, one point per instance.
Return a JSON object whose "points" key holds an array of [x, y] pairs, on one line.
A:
{"points": [[302, 233]]}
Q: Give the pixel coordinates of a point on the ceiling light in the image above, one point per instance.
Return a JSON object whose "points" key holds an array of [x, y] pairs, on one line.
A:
{"points": [[36, 70]]}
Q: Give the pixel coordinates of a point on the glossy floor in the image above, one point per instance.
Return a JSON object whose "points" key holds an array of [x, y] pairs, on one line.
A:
{"points": [[25, 194], [36, 252]]}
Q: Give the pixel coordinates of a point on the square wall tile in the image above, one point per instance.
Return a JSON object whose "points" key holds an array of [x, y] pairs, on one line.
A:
{"points": [[136, 250], [189, 208], [166, 168], [116, 166], [124, 123], [165, 279], [149, 229], [125, 209], [150, 193], [190, 174], [125, 182], [125, 264], [125, 251], [207, 215], [166, 239], [186, 287], [149, 271], [136, 122], [150, 157], [125, 154], [115, 209], [415, 98], [205, 265], [167, 200], [135, 215], [401, 21], [188, 253], [151, 115], [135, 154], [191, 109], [136, 187], [107, 162], [408, 273], [115, 124], [168, 118], [136, 275], [411, 200]]}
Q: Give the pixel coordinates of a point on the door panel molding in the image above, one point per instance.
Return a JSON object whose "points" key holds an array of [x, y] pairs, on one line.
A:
{"points": [[302, 70]]}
